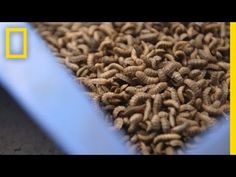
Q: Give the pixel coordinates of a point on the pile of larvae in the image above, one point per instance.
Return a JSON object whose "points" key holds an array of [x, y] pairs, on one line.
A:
{"points": [[161, 83]]}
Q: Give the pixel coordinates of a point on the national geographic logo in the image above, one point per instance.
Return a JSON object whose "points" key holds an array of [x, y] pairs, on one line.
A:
{"points": [[8, 33]]}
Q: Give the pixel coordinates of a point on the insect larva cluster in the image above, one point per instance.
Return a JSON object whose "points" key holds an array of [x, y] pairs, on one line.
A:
{"points": [[161, 83]]}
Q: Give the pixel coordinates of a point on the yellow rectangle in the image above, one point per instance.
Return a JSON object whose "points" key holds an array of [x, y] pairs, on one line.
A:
{"points": [[232, 88], [16, 56]]}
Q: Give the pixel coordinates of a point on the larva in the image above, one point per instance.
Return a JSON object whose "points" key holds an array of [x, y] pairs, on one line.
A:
{"points": [[176, 143], [180, 128], [158, 88], [166, 137], [147, 110], [184, 71], [146, 79], [80, 70], [225, 92], [194, 73], [181, 120], [144, 149], [179, 45], [108, 74], [78, 58], [114, 66], [151, 72], [180, 93], [177, 78], [192, 85], [180, 55], [170, 67], [133, 69], [99, 81], [107, 97], [172, 120], [173, 94], [146, 138], [122, 52], [164, 44], [118, 110], [157, 102], [149, 37], [197, 63], [124, 78], [134, 120], [159, 148], [205, 118], [211, 110], [165, 124], [156, 123], [224, 65], [171, 103], [185, 107], [193, 130], [134, 109], [138, 98], [72, 66], [118, 123], [198, 103], [205, 96], [169, 150], [161, 75]]}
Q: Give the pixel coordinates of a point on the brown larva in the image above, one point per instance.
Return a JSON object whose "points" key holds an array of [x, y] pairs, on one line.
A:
{"points": [[169, 151], [180, 93], [173, 94], [149, 37], [139, 98], [72, 66], [192, 85], [180, 128], [134, 120], [158, 88], [122, 52], [159, 148], [224, 65], [133, 69], [165, 124], [184, 71], [108, 96], [185, 107], [170, 67], [205, 96], [198, 103], [171, 103], [172, 120], [118, 110], [144, 148], [211, 110], [134, 109], [177, 78], [161, 75], [114, 66], [164, 44], [118, 123], [225, 91], [181, 120], [80, 70], [197, 63], [146, 79], [194, 73], [157, 102], [151, 72], [193, 130], [108, 74], [156, 122], [147, 110], [99, 81], [166, 137], [205, 118], [146, 138], [176, 143], [179, 45]]}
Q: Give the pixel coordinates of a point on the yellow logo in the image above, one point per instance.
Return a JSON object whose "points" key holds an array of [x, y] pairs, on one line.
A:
{"points": [[8, 53]]}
